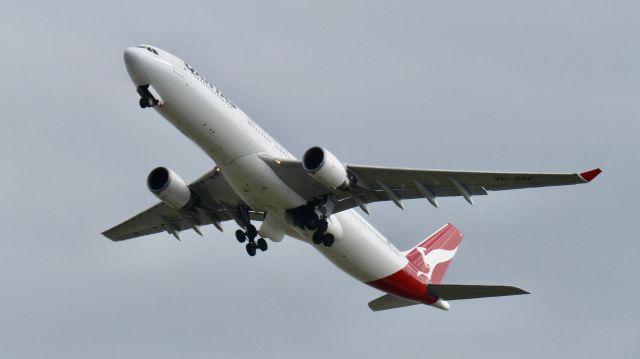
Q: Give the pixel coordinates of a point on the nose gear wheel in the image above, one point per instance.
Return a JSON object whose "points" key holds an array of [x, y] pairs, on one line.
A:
{"points": [[146, 97]]}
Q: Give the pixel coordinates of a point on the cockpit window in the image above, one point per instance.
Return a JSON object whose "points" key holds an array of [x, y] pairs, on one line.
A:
{"points": [[149, 48]]}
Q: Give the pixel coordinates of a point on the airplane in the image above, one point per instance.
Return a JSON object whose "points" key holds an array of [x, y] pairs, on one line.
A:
{"points": [[255, 179]]}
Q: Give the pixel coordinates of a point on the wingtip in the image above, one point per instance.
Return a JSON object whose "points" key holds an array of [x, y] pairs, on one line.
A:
{"points": [[590, 175]]}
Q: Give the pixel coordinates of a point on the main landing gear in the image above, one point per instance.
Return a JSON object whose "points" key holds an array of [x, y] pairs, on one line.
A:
{"points": [[319, 235], [252, 245], [306, 217], [249, 235]]}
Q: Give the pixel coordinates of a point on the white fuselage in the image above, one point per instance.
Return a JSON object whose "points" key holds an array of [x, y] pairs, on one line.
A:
{"points": [[235, 143]]}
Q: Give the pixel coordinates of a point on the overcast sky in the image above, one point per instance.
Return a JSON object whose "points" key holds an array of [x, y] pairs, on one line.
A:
{"points": [[478, 85]]}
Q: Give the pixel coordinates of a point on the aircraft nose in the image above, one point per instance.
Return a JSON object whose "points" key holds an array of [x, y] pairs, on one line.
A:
{"points": [[135, 62], [131, 55], [144, 63]]}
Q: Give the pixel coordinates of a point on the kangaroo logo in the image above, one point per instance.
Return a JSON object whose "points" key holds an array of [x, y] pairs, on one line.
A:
{"points": [[433, 258]]}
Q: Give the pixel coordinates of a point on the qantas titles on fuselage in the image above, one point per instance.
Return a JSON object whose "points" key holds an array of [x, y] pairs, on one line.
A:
{"points": [[257, 180], [210, 86]]}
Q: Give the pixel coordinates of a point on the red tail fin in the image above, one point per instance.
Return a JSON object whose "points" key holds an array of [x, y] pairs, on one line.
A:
{"points": [[432, 257]]}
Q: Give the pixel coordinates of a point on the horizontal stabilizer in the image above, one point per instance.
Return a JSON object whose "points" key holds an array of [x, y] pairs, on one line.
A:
{"points": [[389, 301], [462, 291]]}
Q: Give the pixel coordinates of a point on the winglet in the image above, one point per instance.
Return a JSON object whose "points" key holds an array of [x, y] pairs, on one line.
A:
{"points": [[590, 175]]}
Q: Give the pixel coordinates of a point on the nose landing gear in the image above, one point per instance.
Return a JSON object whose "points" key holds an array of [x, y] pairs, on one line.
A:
{"points": [[147, 97], [147, 102]]}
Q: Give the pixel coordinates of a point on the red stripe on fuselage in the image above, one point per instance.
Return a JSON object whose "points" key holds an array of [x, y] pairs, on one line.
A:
{"points": [[407, 284]]}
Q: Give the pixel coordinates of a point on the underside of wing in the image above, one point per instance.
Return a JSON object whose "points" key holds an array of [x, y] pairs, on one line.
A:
{"points": [[370, 184], [161, 218], [382, 183], [215, 202]]}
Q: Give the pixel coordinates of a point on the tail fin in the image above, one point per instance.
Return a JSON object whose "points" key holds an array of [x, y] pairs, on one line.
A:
{"points": [[432, 257]]}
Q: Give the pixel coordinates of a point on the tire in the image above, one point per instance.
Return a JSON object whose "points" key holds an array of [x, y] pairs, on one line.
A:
{"points": [[328, 239], [322, 226], [262, 244], [311, 222], [252, 232], [317, 237], [241, 236], [251, 249]]}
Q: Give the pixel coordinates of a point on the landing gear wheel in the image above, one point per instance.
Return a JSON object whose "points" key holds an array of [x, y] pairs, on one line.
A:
{"points": [[317, 237], [251, 249], [147, 102], [328, 239], [311, 222], [252, 232], [322, 226], [241, 236], [262, 244]]}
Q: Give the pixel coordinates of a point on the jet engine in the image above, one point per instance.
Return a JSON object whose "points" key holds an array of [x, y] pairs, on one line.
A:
{"points": [[169, 187], [325, 167]]}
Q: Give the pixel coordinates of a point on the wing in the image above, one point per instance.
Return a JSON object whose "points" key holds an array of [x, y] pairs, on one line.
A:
{"points": [[216, 203], [374, 184]]}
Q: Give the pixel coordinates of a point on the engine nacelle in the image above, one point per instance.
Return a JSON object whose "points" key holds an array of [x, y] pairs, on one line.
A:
{"points": [[169, 187], [325, 168]]}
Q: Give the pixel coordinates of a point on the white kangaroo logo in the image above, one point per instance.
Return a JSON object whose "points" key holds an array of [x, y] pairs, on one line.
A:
{"points": [[433, 258]]}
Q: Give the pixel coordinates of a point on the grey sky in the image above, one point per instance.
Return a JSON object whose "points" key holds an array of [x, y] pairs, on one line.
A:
{"points": [[491, 85]]}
